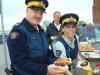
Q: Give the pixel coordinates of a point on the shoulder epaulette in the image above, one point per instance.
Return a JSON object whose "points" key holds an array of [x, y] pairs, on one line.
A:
{"points": [[17, 24]]}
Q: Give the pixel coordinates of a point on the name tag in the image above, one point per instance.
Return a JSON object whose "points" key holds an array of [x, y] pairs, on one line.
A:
{"points": [[33, 38]]}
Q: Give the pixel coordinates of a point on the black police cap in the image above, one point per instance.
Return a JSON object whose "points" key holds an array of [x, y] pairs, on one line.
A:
{"points": [[39, 4], [69, 18]]}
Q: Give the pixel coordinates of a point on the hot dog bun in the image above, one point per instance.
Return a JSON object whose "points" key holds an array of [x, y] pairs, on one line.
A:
{"points": [[60, 69], [63, 62]]}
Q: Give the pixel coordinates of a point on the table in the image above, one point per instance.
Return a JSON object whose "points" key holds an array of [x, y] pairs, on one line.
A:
{"points": [[78, 71]]}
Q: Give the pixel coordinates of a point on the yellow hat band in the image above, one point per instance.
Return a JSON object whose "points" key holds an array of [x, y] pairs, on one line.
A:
{"points": [[71, 19], [36, 3]]}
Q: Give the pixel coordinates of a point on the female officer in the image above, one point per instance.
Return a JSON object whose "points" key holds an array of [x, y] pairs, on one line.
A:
{"points": [[67, 42]]}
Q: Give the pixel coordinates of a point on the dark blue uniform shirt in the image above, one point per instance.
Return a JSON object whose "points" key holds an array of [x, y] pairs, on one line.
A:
{"points": [[28, 49]]}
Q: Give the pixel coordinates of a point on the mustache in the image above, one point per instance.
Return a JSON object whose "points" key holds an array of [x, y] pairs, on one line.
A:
{"points": [[37, 18]]}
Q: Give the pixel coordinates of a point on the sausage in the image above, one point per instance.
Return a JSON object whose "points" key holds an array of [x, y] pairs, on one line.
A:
{"points": [[63, 62]]}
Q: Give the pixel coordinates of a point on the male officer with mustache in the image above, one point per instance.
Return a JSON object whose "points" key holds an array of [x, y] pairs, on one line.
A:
{"points": [[28, 44]]}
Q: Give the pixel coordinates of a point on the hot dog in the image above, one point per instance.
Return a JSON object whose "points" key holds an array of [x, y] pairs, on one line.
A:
{"points": [[63, 62]]}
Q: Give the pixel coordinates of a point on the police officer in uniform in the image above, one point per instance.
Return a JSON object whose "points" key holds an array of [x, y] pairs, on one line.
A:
{"points": [[28, 44], [67, 41]]}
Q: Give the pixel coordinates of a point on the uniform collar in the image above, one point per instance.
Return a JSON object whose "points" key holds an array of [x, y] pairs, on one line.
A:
{"points": [[71, 44], [30, 27]]}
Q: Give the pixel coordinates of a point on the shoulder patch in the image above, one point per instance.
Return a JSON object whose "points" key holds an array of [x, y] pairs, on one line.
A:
{"points": [[17, 24], [14, 35]]}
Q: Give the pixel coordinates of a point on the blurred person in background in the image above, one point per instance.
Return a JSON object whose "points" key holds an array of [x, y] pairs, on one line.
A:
{"points": [[54, 27], [79, 31], [84, 32], [90, 31]]}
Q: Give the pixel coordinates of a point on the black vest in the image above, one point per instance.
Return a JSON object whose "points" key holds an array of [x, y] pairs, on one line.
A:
{"points": [[71, 53]]}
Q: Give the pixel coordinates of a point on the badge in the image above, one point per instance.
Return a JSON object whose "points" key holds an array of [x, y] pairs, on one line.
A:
{"points": [[33, 38], [14, 35], [41, 4]]}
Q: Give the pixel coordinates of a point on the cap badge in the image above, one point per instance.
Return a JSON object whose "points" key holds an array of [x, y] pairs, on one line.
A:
{"points": [[41, 4], [72, 19]]}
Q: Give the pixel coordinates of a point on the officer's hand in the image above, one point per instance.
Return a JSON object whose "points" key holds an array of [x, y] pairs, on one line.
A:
{"points": [[52, 70], [68, 72]]}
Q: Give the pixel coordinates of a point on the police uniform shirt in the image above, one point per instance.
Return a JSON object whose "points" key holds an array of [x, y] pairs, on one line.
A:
{"points": [[21, 44], [37, 29], [58, 45]]}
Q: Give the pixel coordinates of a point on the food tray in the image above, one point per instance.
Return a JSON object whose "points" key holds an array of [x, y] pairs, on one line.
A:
{"points": [[86, 47], [92, 56], [87, 50], [93, 59]]}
